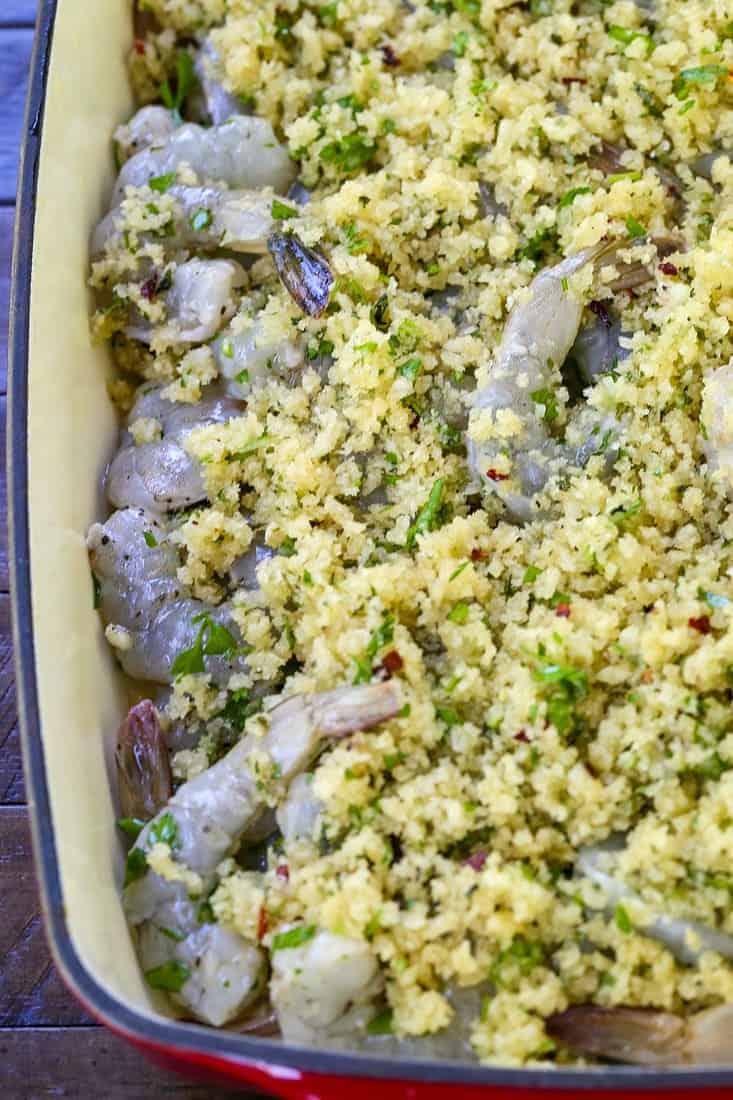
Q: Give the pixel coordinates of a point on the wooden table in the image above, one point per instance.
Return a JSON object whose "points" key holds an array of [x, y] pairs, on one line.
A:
{"points": [[48, 1046]]}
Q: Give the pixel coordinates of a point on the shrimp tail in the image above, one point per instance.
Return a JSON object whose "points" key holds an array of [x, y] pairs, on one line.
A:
{"points": [[637, 1035], [143, 767]]}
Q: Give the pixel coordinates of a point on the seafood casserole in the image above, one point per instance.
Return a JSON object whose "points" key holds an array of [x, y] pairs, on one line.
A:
{"points": [[420, 544]]}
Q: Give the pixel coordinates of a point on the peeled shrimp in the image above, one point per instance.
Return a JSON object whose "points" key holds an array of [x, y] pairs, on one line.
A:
{"points": [[220, 104], [199, 302], [243, 571], [242, 152], [648, 1038], [250, 358], [161, 476], [205, 218], [151, 126], [686, 939], [324, 987], [299, 812], [156, 619], [537, 338], [205, 821]]}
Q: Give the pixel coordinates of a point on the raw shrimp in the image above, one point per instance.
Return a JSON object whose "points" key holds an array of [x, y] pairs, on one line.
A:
{"points": [[323, 987], [249, 359], [161, 476], [243, 571], [646, 1037], [150, 126], [717, 422], [156, 620], [205, 218], [538, 336], [200, 300], [206, 820], [686, 939], [241, 153], [220, 104], [298, 813]]}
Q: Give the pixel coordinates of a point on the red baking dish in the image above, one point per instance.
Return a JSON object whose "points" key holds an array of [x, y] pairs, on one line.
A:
{"points": [[71, 695]]}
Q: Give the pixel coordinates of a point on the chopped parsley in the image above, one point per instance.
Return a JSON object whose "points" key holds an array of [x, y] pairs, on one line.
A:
{"points": [[625, 37], [459, 613], [698, 75], [184, 84], [382, 636], [635, 229], [164, 831], [131, 826], [213, 640], [280, 211], [349, 153], [565, 687], [162, 183], [294, 937], [150, 539], [136, 865], [547, 399], [381, 1024], [201, 219], [570, 196], [428, 518], [171, 976], [623, 920]]}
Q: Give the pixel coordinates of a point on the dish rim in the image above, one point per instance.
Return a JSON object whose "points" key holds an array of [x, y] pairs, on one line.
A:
{"points": [[163, 1037]]}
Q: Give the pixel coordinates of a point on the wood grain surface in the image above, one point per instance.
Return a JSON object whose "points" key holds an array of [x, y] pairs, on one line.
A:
{"points": [[48, 1046]]}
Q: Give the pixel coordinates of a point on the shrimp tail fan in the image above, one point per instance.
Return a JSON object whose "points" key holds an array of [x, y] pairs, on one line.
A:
{"points": [[634, 1035]]}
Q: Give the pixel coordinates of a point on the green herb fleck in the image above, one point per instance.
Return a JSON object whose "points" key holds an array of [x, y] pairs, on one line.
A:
{"points": [[459, 613], [162, 183], [381, 1024], [570, 196], [634, 228], [547, 399], [131, 826], [294, 937], [281, 212], [201, 219], [171, 976], [428, 518], [135, 866], [623, 920]]}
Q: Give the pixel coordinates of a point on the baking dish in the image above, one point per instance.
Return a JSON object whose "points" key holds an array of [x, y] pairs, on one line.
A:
{"points": [[71, 696]]}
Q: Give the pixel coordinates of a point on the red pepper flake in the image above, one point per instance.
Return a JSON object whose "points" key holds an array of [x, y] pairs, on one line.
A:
{"points": [[283, 871], [563, 611], [149, 288], [478, 555], [494, 475], [669, 269], [476, 861], [262, 923], [522, 736], [139, 47], [702, 625], [392, 662], [391, 60], [574, 80], [647, 676]]}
